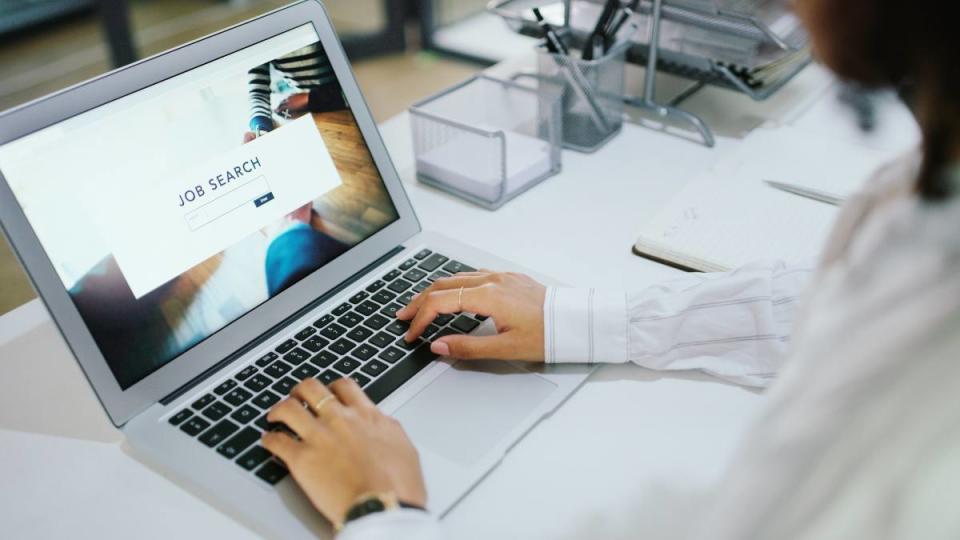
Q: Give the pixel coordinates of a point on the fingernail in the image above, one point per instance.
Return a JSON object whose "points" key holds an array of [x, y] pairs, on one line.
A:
{"points": [[440, 347]]}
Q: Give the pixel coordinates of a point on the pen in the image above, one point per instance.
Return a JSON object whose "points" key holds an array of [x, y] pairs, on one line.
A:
{"points": [[554, 43], [814, 194]]}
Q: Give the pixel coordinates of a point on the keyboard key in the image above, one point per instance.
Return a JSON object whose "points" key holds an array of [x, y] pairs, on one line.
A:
{"points": [[323, 359], [253, 457], [445, 332], [285, 346], [246, 373], [443, 319], [437, 275], [350, 320], [402, 343], [278, 369], [391, 355], [216, 411], [178, 418], [305, 333], [420, 287], [360, 379], [364, 352], [423, 254], [272, 472], [481, 318], [399, 286], [296, 356], [323, 321], [406, 297], [244, 414], [359, 297], [455, 267], [391, 275], [333, 331], [433, 262], [390, 310], [375, 286], [225, 387], [415, 275], [203, 402], [342, 346], [341, 309], [328, 376], [237, 396], [374, 368], [218, 433], [398, 327], [360, 333], [400, 373], [429, 331], [194, 425], [257, 383], [264, 424], [384, 297], [284, 386], [315, 343], [265, 360], [367, 308], [266, 399], [382, 339], [346, 365], [408, 264], [465, 324], [376, 322], [305, 371], [239, 442]]}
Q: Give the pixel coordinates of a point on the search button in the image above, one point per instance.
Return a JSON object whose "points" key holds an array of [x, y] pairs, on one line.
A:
{"points": [[263, 199]]}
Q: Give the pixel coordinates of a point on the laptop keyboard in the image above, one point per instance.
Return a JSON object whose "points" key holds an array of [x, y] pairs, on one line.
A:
{"points": [[360, 339]]}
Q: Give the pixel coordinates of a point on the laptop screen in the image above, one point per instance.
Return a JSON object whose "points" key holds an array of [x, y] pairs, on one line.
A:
{"points": [[175, 210]]}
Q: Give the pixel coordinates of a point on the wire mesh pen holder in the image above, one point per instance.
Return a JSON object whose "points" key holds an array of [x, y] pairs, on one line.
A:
{"points": [[590, 94], [486, 140]]}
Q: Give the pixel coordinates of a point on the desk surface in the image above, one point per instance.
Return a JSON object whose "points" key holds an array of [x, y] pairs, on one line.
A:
{"points": [[609, 461]]}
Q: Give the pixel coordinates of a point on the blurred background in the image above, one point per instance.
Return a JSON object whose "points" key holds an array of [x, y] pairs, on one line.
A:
{"points": [[402, 51]]}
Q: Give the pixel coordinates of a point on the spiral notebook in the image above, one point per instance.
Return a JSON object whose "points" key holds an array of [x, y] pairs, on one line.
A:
{"points": [[729, 216]]}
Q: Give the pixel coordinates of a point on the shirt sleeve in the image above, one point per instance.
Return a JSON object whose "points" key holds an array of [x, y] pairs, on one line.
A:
{"points": [[735, 325], [403, 524]]}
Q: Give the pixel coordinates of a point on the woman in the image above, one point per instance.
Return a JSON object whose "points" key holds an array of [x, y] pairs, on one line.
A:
{"points": [[861, 438]]}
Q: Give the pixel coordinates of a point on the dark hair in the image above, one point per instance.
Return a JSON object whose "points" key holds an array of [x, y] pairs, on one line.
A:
{"points": [[909, 46]]}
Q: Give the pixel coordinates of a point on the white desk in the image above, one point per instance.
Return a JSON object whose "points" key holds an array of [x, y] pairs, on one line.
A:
{"points": [[608, 462]]}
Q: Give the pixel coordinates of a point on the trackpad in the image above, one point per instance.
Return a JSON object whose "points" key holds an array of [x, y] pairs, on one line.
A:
{"points": [[471, 407]]}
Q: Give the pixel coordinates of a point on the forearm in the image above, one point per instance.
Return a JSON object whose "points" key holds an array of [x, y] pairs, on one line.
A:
{"points": [[735, 325], [396, 525]]}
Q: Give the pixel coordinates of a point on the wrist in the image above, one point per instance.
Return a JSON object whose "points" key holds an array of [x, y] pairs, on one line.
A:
{"points": [[373, 503]]}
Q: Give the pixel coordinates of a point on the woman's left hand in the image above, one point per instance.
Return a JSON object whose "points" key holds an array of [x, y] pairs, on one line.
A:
{"points": [[347, 447]]}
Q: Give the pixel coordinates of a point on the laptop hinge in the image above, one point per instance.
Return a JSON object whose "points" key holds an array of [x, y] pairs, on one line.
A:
{"points": [[173, 396]]}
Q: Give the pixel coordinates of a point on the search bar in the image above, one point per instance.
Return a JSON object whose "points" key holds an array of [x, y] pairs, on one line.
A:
{"points": [[256, 192]]}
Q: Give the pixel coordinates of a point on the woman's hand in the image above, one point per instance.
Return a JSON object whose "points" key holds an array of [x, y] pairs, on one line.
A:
{"points": [[293, 105], [347, 447], [514, 301]]}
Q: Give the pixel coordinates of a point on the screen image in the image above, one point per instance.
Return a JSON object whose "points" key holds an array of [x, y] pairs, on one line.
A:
{"points": [[173, 211]]}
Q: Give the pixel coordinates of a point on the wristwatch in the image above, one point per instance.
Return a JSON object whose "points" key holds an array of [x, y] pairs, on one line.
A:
{"points": [[371, 503]]}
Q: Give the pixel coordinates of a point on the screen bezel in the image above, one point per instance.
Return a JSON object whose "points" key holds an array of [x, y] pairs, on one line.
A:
{"points": [[121, 405]]}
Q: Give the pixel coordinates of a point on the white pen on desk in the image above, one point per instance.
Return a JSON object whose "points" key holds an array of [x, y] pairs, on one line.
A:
{"points": [[805, 192]]}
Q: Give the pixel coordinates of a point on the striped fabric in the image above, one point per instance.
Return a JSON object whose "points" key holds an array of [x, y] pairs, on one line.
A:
{"points": [[306, 69]]}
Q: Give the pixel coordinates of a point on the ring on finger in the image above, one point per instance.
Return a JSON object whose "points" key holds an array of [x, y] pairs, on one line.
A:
{"points": [[318, 406]]}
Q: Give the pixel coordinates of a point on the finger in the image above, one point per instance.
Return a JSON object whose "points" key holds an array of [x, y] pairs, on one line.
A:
{"points": [[312, 392], [475, 300], [291, 413], [496, 347], [350, 394], [281, 445], [442, 284]]}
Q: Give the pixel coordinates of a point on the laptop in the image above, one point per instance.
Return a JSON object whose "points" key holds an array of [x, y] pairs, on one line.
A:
{"points": [[214, 224]]}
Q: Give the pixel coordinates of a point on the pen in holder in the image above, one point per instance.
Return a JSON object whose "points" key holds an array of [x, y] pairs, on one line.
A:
{"points": [[591, 90]]}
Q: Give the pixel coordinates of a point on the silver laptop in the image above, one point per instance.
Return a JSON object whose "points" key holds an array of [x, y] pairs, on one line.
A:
{"points": [[212, 225]]}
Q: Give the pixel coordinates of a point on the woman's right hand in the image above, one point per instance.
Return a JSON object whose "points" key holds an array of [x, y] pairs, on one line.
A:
{"points": [[513, 301]]}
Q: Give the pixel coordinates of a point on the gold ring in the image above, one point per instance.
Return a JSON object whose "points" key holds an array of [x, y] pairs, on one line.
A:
{"points": [[318, 406], [460, 300]]}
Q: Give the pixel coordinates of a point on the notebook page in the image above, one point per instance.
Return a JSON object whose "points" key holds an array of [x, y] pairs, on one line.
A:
{"points": [[719, 223]]}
